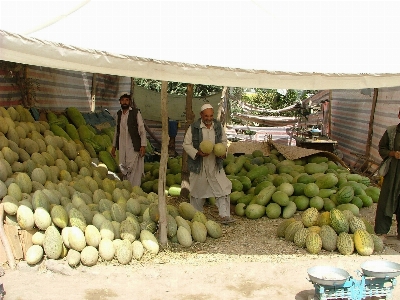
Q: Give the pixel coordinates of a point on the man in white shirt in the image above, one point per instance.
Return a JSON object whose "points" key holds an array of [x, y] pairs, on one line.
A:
{"points": [[207, 176]]}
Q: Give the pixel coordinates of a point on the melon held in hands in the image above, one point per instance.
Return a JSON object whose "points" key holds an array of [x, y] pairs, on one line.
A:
{"points": [[219, 149], [206, 146]]}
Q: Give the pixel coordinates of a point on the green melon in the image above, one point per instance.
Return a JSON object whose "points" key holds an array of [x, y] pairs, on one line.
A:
{"points": [[92, 236], [328, 238], [345, 195], [378, 243], [34, 254], [52, 243], [42, 218], [254, 211], [206, 146], [106, 249], [199, 232], [302, 202], [124, 252], [219, 149], [311, 190], [137, 250], [213, 229], [76, 239], [25, 217], [289, 210], [273, 210], [186, 210], [184, 237], [89, 256]]}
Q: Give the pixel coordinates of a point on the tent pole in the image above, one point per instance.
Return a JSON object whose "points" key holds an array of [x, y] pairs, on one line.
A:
{"points": [[370, 129], [94, 88], [189, 120], [162, 207]]}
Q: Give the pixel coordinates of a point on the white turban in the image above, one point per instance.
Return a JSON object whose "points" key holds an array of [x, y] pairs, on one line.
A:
{"points": [[205, 106]]}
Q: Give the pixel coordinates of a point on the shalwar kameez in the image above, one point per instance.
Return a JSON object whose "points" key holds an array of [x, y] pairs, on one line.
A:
{"points": [[130, 162], [211, 181]]}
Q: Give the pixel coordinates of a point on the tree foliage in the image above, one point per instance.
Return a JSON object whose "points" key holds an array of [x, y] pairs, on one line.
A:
{"points": [[269, 99], [179, 88]]}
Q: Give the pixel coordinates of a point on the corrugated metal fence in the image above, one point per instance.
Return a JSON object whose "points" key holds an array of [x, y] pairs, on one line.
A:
{"points": [[349, 112]]}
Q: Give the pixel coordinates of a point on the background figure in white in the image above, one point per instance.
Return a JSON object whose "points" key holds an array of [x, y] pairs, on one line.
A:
{"points": [[207, 177], [130, 139]]}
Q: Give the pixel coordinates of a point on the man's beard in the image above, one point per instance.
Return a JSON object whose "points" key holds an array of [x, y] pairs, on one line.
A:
{"points": [[125, 106]]}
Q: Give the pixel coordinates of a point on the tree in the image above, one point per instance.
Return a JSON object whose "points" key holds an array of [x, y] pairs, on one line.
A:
{"points": [[179, 88]]}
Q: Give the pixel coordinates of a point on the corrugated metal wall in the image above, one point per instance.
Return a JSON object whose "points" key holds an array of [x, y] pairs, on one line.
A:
{"points": [[350, 109], [9, 94]]}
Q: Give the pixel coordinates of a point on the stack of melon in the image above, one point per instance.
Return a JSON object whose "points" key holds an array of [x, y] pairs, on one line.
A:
{"points": [[49, 184], [277, 187], [336, 230], [73, 127], [173, 176]]}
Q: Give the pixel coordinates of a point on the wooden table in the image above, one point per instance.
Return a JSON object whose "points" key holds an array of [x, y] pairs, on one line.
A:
{"points": [[317, 144]]}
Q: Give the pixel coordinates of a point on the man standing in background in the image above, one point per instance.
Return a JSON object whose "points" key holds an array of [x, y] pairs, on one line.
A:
{"points": [[130, 139]]}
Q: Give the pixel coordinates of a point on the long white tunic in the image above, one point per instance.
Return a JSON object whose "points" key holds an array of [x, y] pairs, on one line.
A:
{"points": [[130, 162], [210, 182]]}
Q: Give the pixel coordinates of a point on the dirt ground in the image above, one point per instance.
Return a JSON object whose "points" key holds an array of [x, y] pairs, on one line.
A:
{"points": [[248, 262]]}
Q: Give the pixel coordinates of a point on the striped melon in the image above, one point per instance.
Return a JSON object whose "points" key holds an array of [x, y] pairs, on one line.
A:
{"points": [[282, 227], [356, 223], [345, 244], [300, 237], [313, 243], [310, 217], [338, 221], [292, 229]]}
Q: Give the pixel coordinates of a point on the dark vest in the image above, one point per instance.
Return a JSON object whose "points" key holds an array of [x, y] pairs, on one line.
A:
{"points": [[195, 165], [132, 128]]}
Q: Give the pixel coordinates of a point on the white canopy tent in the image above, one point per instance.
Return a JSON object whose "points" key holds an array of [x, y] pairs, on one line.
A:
{"points": [[247, 43]]}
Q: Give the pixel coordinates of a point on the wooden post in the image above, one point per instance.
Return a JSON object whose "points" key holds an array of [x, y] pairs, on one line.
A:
{"points": [[221, 107], [162, 206], [370, 130], [189, 120], [93, 93], [4, 240]]}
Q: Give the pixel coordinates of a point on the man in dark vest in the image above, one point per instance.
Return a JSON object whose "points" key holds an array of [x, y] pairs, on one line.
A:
{"points": [[130, 140], [207, 176]]}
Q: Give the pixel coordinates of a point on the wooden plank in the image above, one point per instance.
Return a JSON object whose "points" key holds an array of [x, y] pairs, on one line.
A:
{"points": [[13, 238], [3, 255], [25, 237]]}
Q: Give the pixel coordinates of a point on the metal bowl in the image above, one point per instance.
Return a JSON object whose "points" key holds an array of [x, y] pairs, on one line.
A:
{"points": [[326, 275], [380, 269]]}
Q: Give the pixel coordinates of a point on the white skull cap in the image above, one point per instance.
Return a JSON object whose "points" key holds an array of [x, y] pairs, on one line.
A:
{"points": [[205, 106]]}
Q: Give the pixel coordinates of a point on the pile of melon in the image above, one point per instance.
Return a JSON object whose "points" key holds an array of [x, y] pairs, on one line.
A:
{"points": [[336, 230], [75, 208], [274, 186]]}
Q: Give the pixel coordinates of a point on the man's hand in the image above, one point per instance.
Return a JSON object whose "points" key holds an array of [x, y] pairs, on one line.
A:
{"points": [[202, 154], [113, 151], [397, 154], [142, 151]]}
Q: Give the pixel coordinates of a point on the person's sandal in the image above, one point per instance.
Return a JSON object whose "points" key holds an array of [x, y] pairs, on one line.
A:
{"points": [[227, 220]]}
